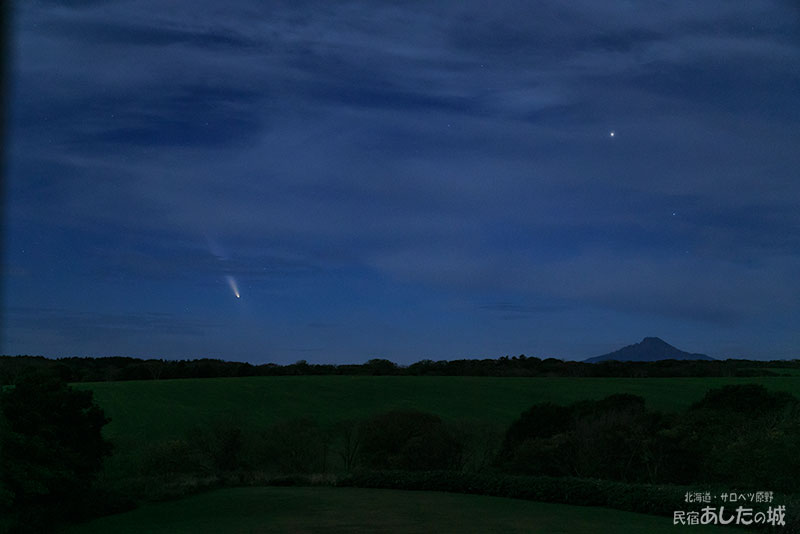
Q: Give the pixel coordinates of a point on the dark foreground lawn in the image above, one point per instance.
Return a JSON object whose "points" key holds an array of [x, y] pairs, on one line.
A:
{"points": [[346, 510]]}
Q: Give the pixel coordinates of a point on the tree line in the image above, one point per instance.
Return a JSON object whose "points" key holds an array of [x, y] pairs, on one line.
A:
{"points": [[117, 368]]}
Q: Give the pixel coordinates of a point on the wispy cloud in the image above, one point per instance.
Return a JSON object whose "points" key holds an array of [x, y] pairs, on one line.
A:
{"points": [[441, 144]]}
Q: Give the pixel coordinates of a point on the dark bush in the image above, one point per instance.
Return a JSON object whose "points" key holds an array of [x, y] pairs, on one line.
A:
{"points": [[409, 440], [175, 456], [222, 444], [294, 446], [539, 421], [534, 442], [346, 443], [613, 438], [481, 442], [742, 434], [52, 449]]}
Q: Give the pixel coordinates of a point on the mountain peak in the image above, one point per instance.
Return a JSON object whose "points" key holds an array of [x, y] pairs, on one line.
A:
{"points": [[654, 342], [650, 349]]}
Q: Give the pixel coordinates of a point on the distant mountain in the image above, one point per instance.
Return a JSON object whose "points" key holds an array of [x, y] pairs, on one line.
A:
{"points": [[650, 349]]}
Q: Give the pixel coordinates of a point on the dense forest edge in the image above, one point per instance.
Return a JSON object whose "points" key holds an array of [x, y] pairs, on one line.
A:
{"points": [[118, 368]]}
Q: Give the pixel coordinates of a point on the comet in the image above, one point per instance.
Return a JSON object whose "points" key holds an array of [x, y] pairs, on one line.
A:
{"points": [[234, 287]]}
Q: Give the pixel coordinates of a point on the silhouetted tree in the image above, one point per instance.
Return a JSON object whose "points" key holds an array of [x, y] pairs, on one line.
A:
{"points": [[347, 439], [52, 448], [613, 438], [221, 444], [409, 440], [293, 446], [378, 366], [740, 434]]}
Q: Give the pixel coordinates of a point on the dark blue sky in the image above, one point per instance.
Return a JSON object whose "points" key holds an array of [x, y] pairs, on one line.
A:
{"points": [[402, 180]]}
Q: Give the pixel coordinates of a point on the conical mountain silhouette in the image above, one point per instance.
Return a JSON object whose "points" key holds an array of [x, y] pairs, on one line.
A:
{"points": [[650, 349]]}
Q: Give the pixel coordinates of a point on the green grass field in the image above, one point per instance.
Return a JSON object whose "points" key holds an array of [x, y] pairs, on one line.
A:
{"points": [[143, 412], [345, 510], [152, 410]]}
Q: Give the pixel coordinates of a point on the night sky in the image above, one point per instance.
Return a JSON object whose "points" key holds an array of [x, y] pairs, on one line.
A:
{"points": [[429, 180]]}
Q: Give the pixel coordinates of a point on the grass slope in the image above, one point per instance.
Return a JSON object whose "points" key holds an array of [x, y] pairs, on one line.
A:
{"points": [[345, 510], [152, 410]]}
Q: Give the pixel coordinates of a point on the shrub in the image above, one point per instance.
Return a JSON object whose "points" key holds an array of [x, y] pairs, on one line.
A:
{"points": [[174, 456], [409, 440], [52, 449], [614, 438], [346, 443], [742, 434], [291, 447], [221, 445], [481, 443]]}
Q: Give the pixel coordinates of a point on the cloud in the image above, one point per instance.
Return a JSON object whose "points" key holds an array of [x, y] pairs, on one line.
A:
{"points": [[690, 288], [507, 307], [72, 326], [510, 312], [168, 261], [446, 144]]}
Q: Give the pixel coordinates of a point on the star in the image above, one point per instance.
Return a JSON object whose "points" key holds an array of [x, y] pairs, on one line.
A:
{"points": [[611, 134]]}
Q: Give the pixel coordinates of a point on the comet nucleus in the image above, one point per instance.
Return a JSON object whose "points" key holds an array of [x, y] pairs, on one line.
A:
{"points": [[234, 287]]}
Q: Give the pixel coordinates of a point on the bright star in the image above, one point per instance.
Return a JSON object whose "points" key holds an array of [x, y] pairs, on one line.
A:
{"points": [[611, 134]]}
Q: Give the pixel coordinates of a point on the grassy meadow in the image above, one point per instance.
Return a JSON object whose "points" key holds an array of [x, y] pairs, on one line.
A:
{"points": [[159, 409], [343, 510], [148, 412]]}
